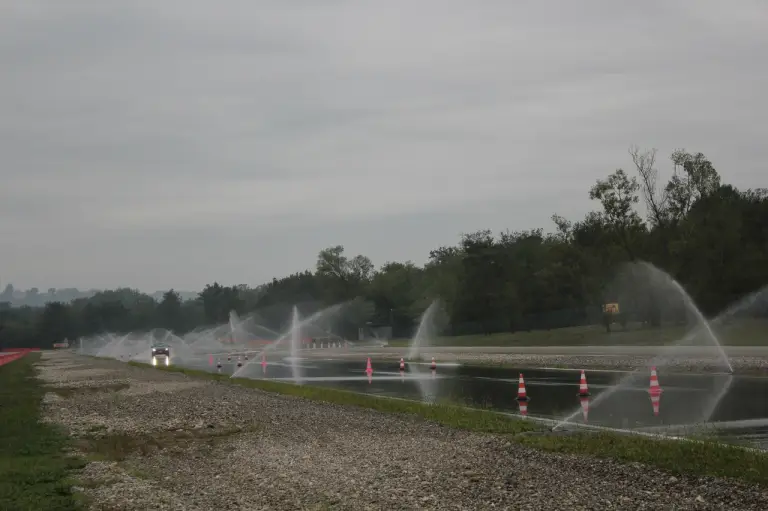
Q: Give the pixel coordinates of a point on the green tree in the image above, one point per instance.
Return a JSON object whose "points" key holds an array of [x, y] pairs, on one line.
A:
{"points": [[169, 312], [694, 179], [218, 301], [56, 324], [395, 293], [618, 196], [344, 278]]}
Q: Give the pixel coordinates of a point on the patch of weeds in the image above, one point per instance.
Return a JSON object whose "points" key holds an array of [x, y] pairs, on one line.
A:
{"points": [[326, 505], [34, 470], [120, 446], [81, 499], [138, 473], [67, 392], [97, 483]]}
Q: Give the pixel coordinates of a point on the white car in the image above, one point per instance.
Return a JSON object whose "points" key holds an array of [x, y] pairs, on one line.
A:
{"points": [[161, 352]]}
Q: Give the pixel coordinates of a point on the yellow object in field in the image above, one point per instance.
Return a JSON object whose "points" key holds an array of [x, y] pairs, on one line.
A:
{"points": [[611, 308]]}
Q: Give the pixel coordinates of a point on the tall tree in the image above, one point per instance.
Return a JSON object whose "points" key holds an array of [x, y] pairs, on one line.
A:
{"points": [[56, 324], [656, 197], [618, 195], [169, 312], [344, 277], [694, 178]]}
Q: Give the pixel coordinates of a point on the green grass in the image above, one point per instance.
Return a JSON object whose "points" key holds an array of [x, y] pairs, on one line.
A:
{"points": [[700, 458], [742, 333], [34, 471], [704, 457]]}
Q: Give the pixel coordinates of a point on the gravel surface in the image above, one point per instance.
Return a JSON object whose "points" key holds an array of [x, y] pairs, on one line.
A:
{"points": [[200, 445]]}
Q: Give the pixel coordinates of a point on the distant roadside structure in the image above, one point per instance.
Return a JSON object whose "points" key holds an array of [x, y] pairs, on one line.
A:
{"points": [[612, 315]]}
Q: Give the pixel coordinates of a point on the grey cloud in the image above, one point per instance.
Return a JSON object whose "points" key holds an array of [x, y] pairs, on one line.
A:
{"points": [[142, 135]]}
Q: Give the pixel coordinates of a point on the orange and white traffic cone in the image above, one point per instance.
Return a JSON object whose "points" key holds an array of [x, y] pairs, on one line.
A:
{"points": [[433, 365], [584, 407], [368, 367], [583, 389], [521, 394], [402, 364]]}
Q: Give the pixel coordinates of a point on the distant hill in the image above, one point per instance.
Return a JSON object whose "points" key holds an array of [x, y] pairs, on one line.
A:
{"points": [[35, 298]]}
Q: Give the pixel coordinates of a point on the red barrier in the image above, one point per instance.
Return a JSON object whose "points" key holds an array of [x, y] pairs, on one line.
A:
{"points": [[10, 354], [10, 357]]}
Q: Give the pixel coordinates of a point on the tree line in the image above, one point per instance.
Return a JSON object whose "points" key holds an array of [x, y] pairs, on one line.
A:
{"points": [[34, 297], [710, 236]]}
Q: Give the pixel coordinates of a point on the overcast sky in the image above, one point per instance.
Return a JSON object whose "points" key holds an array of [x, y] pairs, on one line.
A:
{"points": [[160, 143]]}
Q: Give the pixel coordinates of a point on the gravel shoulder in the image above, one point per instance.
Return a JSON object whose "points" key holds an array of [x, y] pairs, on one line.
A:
{"points": [[162, 440]]}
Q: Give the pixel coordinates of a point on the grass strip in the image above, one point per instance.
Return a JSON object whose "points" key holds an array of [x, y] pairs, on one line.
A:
{"points": [[34, 470], [704, 457], [697, 457]]}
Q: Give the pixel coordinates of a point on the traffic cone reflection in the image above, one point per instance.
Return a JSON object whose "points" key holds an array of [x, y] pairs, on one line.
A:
{"points": [[263, 363], [521, 394], [655, 403], [655, 388], [655, 391], [523, 404], [584, 407]]}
